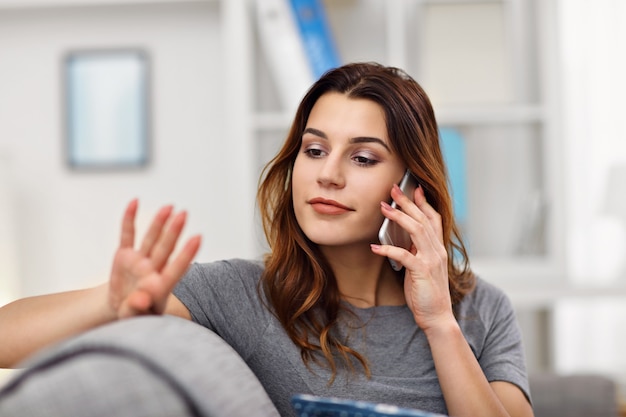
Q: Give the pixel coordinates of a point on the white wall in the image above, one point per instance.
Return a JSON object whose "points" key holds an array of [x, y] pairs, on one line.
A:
{"points": [[67, 222], [589, 337], [593, 41], [8, 251], [588, 332]]}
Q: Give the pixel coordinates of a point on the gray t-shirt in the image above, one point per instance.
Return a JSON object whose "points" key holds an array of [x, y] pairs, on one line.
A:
{"points": [[223, 297]]}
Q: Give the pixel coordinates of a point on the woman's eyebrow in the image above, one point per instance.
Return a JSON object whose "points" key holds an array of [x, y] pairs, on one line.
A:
{"points": [[369, 139], [358, 139], [315, 132]]}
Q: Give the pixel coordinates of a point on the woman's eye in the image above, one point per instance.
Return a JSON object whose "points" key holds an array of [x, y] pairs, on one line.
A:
{"points": [[364, 160], [314, 152]]}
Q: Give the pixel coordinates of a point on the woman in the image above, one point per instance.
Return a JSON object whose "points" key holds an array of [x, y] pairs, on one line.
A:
{"points": [[325, 313]]}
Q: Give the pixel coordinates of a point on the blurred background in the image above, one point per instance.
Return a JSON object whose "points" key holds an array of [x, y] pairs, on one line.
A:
{"points": [[530, 96]]}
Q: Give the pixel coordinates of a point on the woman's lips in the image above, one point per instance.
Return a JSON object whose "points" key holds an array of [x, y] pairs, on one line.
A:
{"points": [[324, 206]]}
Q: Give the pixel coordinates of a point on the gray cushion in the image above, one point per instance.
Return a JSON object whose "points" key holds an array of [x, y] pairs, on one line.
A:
{"points": [[146, 366], [583, 395]]}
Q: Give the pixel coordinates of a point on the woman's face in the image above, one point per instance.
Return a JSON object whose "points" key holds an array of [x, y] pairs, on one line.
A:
{"points": [[344, 169]]}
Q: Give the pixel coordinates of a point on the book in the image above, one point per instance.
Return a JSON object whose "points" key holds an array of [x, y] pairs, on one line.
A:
{"points": [[454, 155], [298, 45], [306, 405], [316, 36]]}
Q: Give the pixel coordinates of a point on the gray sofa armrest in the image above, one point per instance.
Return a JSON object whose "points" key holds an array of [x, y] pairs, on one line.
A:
{"points": [[581, 395], [146, 366]]}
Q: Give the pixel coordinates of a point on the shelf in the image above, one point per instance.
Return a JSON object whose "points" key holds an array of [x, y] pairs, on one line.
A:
{"points": [[507, 271], [446, 115], [438, 2], [545, 296], [475, 115], [33, 4]]}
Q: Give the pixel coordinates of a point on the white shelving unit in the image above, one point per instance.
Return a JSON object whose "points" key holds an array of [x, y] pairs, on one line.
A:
{"points": [[514, 170]]}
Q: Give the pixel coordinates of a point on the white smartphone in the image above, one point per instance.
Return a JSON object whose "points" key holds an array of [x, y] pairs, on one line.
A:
{"points": [[391, 233]]}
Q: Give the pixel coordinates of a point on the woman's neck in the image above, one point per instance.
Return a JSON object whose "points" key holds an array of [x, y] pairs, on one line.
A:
{"points": [[365, 279]]}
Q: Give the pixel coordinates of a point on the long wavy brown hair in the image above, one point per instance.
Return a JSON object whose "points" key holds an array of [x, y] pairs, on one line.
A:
{"points": [[298, 282]]}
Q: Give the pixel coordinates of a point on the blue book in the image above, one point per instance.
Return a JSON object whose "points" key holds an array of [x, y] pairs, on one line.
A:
{"points": [[453, 148], [282, 46], [316, 36], [312, 406]]}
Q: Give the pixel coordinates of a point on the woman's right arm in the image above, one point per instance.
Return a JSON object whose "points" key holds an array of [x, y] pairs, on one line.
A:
{"points": [[31, 323], [141, 282]]}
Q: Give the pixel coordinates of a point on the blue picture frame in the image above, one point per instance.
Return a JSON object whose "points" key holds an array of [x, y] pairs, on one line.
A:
{"points": [[107, 109]]}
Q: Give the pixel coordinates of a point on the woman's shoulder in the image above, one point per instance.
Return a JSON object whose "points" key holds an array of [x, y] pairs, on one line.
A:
{"points": [[485, 288], [486, 298], [252, 268], [228, 275]]}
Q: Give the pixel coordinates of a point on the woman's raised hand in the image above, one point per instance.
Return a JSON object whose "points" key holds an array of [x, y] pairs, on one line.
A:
{"points": [[426, 286], [142, 278]]}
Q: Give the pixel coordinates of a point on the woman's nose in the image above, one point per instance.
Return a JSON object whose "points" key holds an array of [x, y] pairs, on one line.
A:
{"points": [[331, 173]]}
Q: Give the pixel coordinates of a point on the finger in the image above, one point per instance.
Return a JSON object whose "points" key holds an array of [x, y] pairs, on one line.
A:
{"points": [[414, 222], [155, 229], [433, 216], [398, 254], [127, 239], [138, 303], [166, 243], [174, 270], [419, 209]]}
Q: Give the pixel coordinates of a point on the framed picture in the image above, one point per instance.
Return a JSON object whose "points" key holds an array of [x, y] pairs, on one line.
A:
{"points": [[107, 110]]}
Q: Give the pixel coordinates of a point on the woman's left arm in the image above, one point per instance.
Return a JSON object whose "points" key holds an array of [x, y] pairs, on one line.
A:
{"points": [[465, 387], [466, 390]]}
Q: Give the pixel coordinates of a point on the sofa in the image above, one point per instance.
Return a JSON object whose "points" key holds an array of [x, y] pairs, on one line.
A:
{"points": [[576, 395], [166, 366], [146, 366]]}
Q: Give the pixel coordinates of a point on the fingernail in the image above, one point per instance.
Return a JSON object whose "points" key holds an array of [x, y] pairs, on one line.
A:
{"points": [[385, 205]]}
